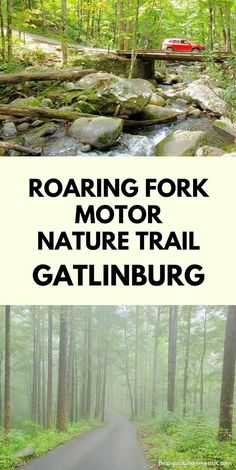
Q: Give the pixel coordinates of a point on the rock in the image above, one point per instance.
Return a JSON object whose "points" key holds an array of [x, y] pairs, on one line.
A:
{"points": [[8, 130], [157, 100], [181, 143], [24, 126], [231, 154], [37, 123], [69, 86], [99, 80], [84, 107], [47, 103], [125, 97], [35, 136], [99, 132], [157, 112], [207, 151], [194, 112], [65, 146], [226, 127], [159, 77], [26, 452], [29, 101], [199, 92]]}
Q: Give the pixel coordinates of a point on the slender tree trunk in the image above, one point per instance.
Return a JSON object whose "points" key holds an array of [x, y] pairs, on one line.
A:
{"points": [[9, 29], [1, 358], [172, 350], [121, 24], [136, 363], [202, 363], [228, 377], [2, 31], [89, 361], [49, 384], [62, 374], [7, 421], [186, 362], [127, 370], [64, 31], [155, 362]]}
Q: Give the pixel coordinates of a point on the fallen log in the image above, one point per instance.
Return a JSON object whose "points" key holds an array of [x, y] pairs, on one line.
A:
{"points": [[129, 123], [36, 112], [11, 78], [19, 148]]}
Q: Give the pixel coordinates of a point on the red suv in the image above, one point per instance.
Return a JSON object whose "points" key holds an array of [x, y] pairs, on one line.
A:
{"points": [[181, 45]]}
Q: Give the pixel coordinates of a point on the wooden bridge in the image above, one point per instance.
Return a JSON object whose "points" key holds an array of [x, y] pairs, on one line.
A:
{"points": [[146, 58]]}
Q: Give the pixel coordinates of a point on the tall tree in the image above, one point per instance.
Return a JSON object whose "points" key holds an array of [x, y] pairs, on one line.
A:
{"points": [[62, 412], [49, 382], [186, 361], [172, 351], [228, 377], [7, 422]]}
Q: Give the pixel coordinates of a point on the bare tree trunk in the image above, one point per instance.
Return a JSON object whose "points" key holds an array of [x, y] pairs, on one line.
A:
{"points": [[49, 384], [202, 363], [64, 27], [9, 30], [89, 373], [172, 350], [154, 379], [121, 24], [2, 32], [186, 362], [127, 369], [136, 363], [7, 421], [62, 374], [228, 377]]}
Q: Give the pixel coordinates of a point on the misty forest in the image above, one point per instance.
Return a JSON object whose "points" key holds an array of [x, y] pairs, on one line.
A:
{"points": [[99, 78], [139, 386]]}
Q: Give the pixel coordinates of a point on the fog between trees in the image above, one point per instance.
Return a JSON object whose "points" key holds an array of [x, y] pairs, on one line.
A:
{"points": [[62, 364]]}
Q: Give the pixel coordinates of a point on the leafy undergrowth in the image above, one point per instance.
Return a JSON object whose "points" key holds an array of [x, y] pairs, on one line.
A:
{"points": [[38, 441], [173, 442]]}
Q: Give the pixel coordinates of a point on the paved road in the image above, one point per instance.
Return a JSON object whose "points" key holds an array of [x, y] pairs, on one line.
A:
{"points": [[35, 38], [113, 446]]}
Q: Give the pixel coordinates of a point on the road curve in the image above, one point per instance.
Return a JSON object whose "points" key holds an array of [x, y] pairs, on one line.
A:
{"points": [[113, 446]]}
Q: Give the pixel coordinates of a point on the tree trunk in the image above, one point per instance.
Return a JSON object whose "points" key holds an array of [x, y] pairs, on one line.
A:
{"points": [[2, 32], [127, 369], [7, 421], [202, 363], [62, 374], [136, 363], [172, 350], [89, 362], [186, 362], [49, 384], [12, 78], [64, 28], [228, 377], [154, 379], [9, 30]]}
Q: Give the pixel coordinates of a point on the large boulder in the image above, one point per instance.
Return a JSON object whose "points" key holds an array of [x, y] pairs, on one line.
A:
{"points": [[208, 151], [98, 81], [99, 132], [180, 143], [22, 102], [125, 97], [151, 112], [199, 92], [226, 127]]}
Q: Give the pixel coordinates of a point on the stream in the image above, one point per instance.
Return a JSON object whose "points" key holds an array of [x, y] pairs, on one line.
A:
{"points": [[140, 143]]}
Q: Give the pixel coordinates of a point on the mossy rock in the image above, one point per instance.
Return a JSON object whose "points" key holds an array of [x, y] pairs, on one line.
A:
{"points": [[99, 132], [22, 102], [151, 112], [84, 107], [180, 143]]}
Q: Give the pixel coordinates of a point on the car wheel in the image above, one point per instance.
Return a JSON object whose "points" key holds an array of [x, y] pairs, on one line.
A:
{"points": [[195, 49], [169, 49]]}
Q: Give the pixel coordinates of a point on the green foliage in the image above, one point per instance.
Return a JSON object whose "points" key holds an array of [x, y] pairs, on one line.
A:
{"points": [[172, 438], [41, 440]]}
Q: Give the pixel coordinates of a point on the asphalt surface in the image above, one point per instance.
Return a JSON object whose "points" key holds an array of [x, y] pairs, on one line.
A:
{"points": [[35, 38], [113, 446]]}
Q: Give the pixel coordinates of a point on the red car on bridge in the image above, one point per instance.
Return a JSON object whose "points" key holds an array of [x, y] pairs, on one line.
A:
{"points": [[181, 45]]}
